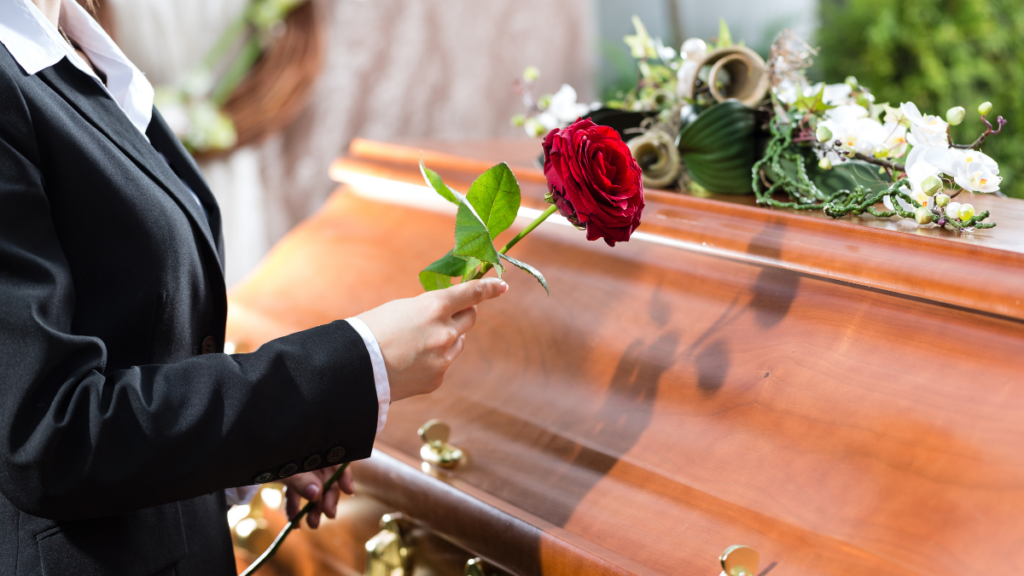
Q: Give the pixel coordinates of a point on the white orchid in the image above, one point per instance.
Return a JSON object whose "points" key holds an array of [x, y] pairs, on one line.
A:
{"points": [[561, 111], [977, 177], [925, 129], [787, 92], [942, 157], [965, 157], [917, 174], [666, 53], [856, 132], [972, 170], [837, 94]]}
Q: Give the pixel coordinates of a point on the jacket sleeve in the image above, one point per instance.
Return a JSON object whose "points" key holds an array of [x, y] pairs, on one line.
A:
{"points": [[77, 441]]}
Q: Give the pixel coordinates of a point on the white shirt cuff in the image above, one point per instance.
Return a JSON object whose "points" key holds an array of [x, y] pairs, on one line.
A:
{"points": [[240, 495], [380, 372]]}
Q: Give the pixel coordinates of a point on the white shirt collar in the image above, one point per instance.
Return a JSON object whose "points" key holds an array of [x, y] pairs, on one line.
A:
{"points": [[36, 45]]}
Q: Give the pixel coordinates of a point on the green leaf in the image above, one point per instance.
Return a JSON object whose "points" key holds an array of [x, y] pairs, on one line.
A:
{"points": [[495, 197], [847, 176], [471, 266], [641, 45], [473, 239], [438, 275], [435, 182], [843, 176], [724, 36], [529, 270], [720, 148], [813, 104]]}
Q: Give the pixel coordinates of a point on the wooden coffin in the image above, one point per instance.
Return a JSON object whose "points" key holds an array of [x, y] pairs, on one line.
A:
{"points": [[845, 397]]}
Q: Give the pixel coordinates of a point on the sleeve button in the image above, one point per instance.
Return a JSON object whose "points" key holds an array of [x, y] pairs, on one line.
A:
{"points": [[335, 455], [311, 462], [263, 478], [287, 471], [209, 345]]}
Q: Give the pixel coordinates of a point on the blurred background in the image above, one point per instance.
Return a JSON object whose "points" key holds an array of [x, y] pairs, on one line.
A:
{"points": [[443, 69]]}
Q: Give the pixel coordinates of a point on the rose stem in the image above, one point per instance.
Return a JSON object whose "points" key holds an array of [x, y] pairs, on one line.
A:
{"points": [[504, 250], [291, 525]]}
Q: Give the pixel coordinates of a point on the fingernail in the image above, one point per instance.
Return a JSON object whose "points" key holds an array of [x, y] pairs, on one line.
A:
{"points": [[311, 492]]}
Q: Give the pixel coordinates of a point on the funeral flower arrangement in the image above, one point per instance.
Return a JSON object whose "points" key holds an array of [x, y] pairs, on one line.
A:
{"points": [[719, 118]]}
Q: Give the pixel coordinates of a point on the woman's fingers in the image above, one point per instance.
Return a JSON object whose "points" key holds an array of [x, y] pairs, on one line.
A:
{"points": [[292, 503], [313, 516], [455, 349], [309, 485], [330, 502], [348, 485], [466, 294], [463, 320]]}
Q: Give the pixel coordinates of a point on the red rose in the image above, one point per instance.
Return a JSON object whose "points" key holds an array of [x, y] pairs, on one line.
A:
{"points": [[594, 180]]}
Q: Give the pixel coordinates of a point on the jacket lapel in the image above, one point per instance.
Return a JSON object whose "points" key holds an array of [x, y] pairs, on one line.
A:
{"points": [[96, 106], [184, 166]]}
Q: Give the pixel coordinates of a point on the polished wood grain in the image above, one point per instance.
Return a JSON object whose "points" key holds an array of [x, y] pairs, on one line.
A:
{"points": [[843, 397]]}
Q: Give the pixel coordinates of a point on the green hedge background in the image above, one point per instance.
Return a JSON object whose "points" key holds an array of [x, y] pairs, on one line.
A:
{"points": [[939, 54]]}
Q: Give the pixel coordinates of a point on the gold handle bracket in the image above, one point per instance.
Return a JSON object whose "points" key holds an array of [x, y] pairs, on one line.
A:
{"points": [[475, 567], [739, 560], [436, 450], [387, 553]]}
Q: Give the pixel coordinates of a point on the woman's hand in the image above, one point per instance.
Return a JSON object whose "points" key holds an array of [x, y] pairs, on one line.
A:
{"points": [[420, 337], [310, 485]]}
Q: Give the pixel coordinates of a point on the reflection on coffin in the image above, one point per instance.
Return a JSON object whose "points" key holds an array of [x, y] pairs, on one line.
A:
{"points": [[843, 397]]}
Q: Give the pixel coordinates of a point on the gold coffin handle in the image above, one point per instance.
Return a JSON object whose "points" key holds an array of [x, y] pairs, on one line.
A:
{"points": [[475, 567], [739, 560], [387, 553], [436, 450]]}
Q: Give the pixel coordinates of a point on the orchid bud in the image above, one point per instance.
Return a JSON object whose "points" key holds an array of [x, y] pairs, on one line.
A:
{"points": [[825, 164], [931, 185], [942, 199], [923, 216], [534, 128], [955, 115], [851, 81], [823, 134], [544, 101], [518, 120], [881, 151], [966, 212], [531, 74], [985, 108], [953, 210]]}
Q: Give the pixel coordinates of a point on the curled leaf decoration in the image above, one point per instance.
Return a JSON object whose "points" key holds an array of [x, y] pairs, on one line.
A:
{"points": [[656, 153]]}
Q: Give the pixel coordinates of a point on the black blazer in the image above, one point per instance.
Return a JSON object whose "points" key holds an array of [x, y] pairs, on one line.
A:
{"points": [[117, 434]]}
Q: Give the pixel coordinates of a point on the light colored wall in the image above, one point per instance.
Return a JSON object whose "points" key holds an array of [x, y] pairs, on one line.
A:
{"points": [[394, 68]]}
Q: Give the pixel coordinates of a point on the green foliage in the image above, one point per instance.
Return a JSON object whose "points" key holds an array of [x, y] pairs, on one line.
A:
{"points": [[724, 36], [529, 270], [439, 274], [938, 54], [495, 197], [720, 148], [472, 239], [853, 187], [814, 104], [435, 182], [488, 209]]}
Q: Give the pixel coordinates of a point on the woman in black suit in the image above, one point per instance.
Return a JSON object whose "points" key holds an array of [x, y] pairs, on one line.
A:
{"points": [[121, 421]]}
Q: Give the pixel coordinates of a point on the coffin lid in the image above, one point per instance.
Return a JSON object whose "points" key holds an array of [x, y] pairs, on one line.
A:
{"points": [[843, 396]]}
